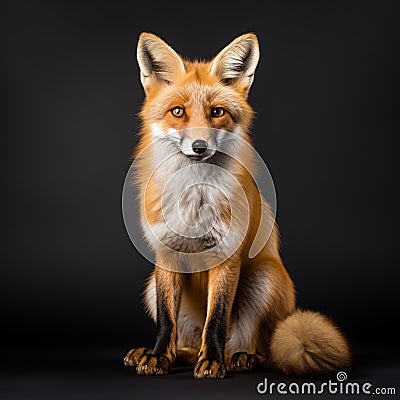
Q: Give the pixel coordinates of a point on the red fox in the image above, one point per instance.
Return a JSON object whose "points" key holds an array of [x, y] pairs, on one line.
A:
{"points": [[240, 314]]}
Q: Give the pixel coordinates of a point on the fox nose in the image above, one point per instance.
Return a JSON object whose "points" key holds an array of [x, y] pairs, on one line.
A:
{"points": [[199, 146]]}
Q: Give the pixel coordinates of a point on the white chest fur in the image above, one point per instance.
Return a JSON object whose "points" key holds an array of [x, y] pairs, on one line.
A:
{"points": [[204, 213]]}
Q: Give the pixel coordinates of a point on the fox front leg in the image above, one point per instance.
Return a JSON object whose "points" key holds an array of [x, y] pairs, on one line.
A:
{"points": [[168, 289], [222, 284]]}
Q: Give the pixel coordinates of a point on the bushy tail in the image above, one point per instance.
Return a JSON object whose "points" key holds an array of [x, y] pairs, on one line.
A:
{"points": [[306, 343]]}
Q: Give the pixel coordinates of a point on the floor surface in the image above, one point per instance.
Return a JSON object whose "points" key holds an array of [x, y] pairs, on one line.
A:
{"points": [[96, 373]]}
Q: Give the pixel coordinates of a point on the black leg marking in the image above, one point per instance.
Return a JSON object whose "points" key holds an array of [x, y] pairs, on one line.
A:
{"points": [[216, 333]]}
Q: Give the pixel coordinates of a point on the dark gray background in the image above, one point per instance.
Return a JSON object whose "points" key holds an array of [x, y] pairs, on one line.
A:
{"points": [[326, 97]]}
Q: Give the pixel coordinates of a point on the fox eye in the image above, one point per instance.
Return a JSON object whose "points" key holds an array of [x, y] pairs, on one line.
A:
{"points": [[178, 112], [217, 112]]}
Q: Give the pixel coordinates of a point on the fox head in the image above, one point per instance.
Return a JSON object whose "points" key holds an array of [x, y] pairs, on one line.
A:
{"points": [[192, 105]]}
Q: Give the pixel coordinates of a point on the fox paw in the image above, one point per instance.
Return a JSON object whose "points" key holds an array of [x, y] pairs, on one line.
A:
{"points": [[133, 356], [209, 369], [153, 364], [242, 361]]}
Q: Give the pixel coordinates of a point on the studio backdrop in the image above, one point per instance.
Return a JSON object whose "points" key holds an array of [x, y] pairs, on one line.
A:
{"points": [[326, 102]]}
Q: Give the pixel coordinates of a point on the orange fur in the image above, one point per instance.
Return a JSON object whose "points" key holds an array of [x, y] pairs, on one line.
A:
{"points": [[296, 342]]}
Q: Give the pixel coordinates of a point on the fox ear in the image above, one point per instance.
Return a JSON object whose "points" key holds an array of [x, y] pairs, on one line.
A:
{"points": [[158, 62], [237, 62]]}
